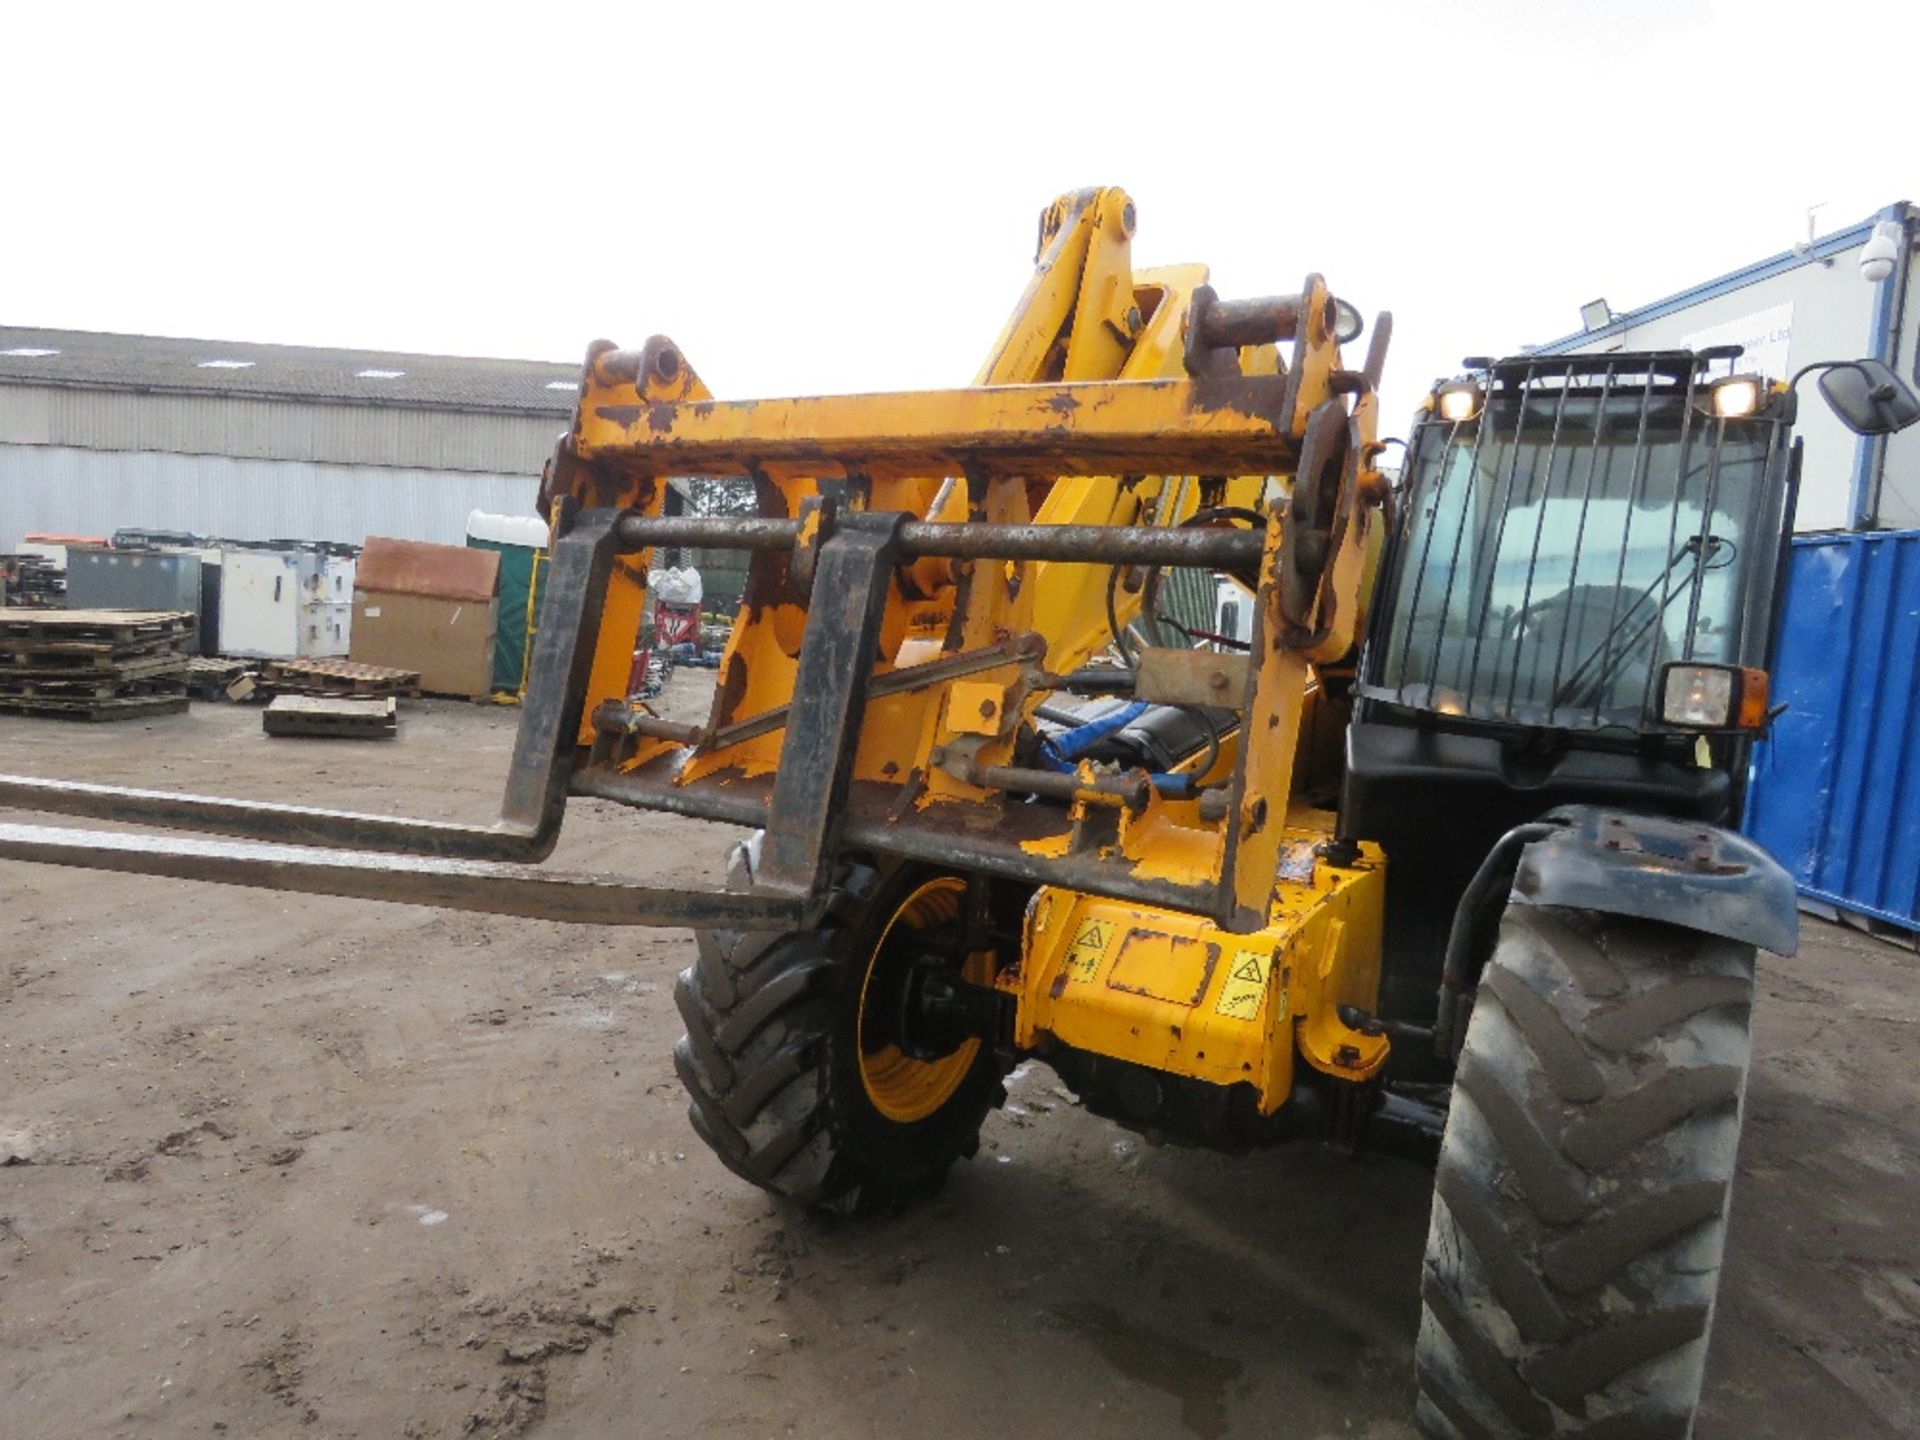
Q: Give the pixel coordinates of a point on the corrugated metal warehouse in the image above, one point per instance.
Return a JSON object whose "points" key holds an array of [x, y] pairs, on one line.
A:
{"points": [[1811, 303], [260, 442]]}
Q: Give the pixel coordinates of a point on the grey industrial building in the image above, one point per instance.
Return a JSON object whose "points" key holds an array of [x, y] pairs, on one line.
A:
{"points": [[1813, 302], [257, 442]]}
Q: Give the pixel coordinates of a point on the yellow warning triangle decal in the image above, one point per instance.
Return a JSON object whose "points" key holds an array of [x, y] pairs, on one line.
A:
{"points": [[1093, 936], [1249, 969]]}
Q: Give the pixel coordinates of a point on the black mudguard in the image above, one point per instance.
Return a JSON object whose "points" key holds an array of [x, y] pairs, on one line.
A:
{"points": [[1682, 872]]}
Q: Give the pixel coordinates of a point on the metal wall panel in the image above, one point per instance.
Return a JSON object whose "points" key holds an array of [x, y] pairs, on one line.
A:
{"points": [[1836, 785], [68, 491], [402, 438], [1832, 320]]}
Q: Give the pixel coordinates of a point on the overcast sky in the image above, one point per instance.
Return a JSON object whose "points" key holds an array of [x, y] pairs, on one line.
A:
{"points": [[813, 198]]}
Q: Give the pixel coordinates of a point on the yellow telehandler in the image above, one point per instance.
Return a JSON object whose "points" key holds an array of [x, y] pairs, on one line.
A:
{"points": [[1117, 710]]}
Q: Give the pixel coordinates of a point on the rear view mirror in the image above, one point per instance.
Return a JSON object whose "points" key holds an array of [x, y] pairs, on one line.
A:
{"points": [[1869, 398]]}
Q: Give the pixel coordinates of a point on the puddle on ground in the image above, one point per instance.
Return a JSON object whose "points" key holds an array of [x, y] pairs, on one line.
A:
{"points": [[1193, 1377]]}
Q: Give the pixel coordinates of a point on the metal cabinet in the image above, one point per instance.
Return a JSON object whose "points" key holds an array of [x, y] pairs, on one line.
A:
{"points": [[281, 604]]}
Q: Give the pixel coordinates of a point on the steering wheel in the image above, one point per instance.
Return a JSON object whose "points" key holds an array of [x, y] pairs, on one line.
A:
{"points": [[1590, 609], [1526, 622]]}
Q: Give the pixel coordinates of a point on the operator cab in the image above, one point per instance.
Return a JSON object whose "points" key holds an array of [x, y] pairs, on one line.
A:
{"points": [[1575, 608]]}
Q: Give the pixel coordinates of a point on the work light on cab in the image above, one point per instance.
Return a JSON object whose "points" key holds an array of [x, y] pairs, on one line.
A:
{"points": [[1458, 402], [1738, 396], [1714, 697]]}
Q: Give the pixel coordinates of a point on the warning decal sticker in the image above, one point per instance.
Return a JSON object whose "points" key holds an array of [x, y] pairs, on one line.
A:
{"points": [[1246, 985], [1089, 944]]}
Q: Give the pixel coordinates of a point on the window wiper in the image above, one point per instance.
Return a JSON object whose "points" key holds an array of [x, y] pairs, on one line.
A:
{"points": [[1580, 687]]}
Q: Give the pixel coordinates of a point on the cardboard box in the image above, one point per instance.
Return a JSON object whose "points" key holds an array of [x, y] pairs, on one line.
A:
{"points": [[430, 608], [450, 642]]}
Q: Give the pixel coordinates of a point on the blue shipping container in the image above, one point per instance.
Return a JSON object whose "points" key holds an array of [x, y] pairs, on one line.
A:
{"points": [[1836, 785]]}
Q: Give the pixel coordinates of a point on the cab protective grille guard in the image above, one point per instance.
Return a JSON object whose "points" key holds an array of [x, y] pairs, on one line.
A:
{"points": [[494, 868]]}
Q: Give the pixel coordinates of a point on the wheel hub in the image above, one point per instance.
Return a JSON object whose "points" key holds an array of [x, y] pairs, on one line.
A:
{"points": [[918, 1021]]}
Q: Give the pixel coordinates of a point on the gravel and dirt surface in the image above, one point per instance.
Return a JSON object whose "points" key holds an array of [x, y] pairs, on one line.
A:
{"points": [[290, 1165]]}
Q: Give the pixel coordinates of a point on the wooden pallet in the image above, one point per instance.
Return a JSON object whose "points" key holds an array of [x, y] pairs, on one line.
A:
{"points": [[208, 676], [125, 707], [105, 687], [337, 677], [26, 629], [340, 718], [80, 654], [217, 667], [164, 666]]}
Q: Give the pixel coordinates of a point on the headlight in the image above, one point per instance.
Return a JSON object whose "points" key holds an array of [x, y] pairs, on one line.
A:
{"points": [[1713, 697], [1457, 402], [1738, 396]]}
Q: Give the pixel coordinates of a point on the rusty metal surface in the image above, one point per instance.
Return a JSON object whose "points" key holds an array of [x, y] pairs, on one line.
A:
{"points": [[829, 701], [1217, 329], [573, 601], [996, 836], [495, 889], [1218, 549], [1129, 788], [730, 532], [414, 567], [1258, 321], [1227, 424], [264, 820], [1092, 544], [1191, 677]]}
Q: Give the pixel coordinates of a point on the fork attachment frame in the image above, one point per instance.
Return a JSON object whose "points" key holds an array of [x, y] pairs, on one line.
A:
{"points": [[926, 569]]}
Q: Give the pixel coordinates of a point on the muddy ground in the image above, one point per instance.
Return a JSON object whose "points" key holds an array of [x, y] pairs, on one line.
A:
{"points": [[287, 1165]]}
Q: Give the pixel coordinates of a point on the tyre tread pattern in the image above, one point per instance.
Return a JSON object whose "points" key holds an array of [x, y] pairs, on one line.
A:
{"points": [[1581, 1199], [763, 1015], [1621, 1027]]}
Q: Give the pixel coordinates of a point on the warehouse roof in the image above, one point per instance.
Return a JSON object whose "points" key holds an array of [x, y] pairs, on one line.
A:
{"points": [[164, 364]]}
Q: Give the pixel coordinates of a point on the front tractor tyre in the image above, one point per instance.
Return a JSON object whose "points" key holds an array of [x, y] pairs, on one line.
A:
{"points": [[804, 1071], [1580, 1204]]}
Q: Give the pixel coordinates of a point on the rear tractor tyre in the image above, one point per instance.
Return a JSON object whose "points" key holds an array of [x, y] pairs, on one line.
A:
{"points": [[794, 1075], [1580, 1203]]}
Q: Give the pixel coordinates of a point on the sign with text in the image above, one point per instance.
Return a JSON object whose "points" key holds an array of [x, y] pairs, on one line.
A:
{"points": [[1766, 336]]}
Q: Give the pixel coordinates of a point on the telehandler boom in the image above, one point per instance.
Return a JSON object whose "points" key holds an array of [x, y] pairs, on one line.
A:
{"points": [[1459, 874]]}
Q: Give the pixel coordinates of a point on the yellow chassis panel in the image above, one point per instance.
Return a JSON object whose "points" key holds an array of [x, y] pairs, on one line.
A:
{"points": [[1176, 993]]}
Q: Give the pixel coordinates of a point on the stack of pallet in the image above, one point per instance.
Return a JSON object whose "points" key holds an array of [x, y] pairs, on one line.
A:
{"points": [[94, 664], [341, 698], [338, 678]]}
